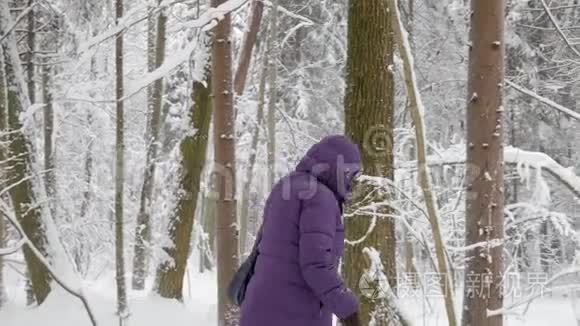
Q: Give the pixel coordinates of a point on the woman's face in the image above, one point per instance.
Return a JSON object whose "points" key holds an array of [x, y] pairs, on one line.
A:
{"points": [[350, 175]]}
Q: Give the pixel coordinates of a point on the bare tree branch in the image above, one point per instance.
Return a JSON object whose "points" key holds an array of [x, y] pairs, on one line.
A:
{"points": [[20, 17], [559, 29], [548, 102]]}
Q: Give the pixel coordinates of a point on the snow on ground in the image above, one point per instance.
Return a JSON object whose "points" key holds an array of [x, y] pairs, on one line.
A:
{"points": [[147, 309], [548, 311], [199, 308]]}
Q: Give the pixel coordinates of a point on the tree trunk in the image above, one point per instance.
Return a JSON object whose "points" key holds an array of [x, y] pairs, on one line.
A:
{"points": [[28, 214], [49, 166], [143, 228], [22, 199], [193, 154], [484, 179], [410, 267], [225, 160], [3, 129], [272, 96], [122, 308], [31, 42], [88, 169], [369, 122], [250, 37], [249, 177], [209, 223], [2, 245]]}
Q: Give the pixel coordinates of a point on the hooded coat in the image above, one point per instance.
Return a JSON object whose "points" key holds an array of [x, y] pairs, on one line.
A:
{"points": [[296, 280]]}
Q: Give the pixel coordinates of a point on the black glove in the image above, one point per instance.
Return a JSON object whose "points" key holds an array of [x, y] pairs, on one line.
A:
{"points": [[352, 320]]}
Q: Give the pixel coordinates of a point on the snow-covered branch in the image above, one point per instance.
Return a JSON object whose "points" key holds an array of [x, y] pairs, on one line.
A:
{"points": [[548, 102], [514, 156], [374, 274], [483, 244], [290, 13], [74, 289], [207, 21], [542, 161]]}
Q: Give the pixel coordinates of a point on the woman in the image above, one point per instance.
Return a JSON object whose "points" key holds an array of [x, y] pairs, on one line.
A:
{"points": [[296, 281]]}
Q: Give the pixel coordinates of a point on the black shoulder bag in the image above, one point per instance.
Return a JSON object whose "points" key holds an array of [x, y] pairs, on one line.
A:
{"points": [[239, 283]]}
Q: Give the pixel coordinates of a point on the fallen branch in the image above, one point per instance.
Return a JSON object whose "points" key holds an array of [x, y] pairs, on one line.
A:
{"points": [[416, 109]]}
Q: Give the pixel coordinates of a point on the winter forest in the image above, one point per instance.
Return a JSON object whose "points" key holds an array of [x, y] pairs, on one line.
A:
{"points": [[139, 140]]}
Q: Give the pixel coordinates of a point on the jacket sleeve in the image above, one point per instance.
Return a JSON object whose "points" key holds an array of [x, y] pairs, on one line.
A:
{"points": [[317, 232]]}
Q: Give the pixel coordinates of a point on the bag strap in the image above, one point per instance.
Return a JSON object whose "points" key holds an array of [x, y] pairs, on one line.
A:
{"points": [[258, 237]]}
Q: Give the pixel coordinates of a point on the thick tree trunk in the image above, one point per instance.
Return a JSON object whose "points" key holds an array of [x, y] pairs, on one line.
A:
{"points": [[122, 308], [225, 171], [369, 122], [250, 37], [193, 153], [22, 199], [484, 179], [143, 228], [21, 192]]}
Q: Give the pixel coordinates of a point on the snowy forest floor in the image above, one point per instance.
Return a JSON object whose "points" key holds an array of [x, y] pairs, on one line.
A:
{"points": [[199, 308]]}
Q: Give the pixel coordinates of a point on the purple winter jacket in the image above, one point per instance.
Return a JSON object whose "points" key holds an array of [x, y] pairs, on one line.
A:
{"points": [[296, 280]]}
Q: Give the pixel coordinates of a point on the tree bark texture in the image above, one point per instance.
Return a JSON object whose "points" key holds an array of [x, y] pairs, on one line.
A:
{"points": [[224, 166], [143, 228], [369, 122], [120, 173], [21, 192], [193, 156], [484, 180]]}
